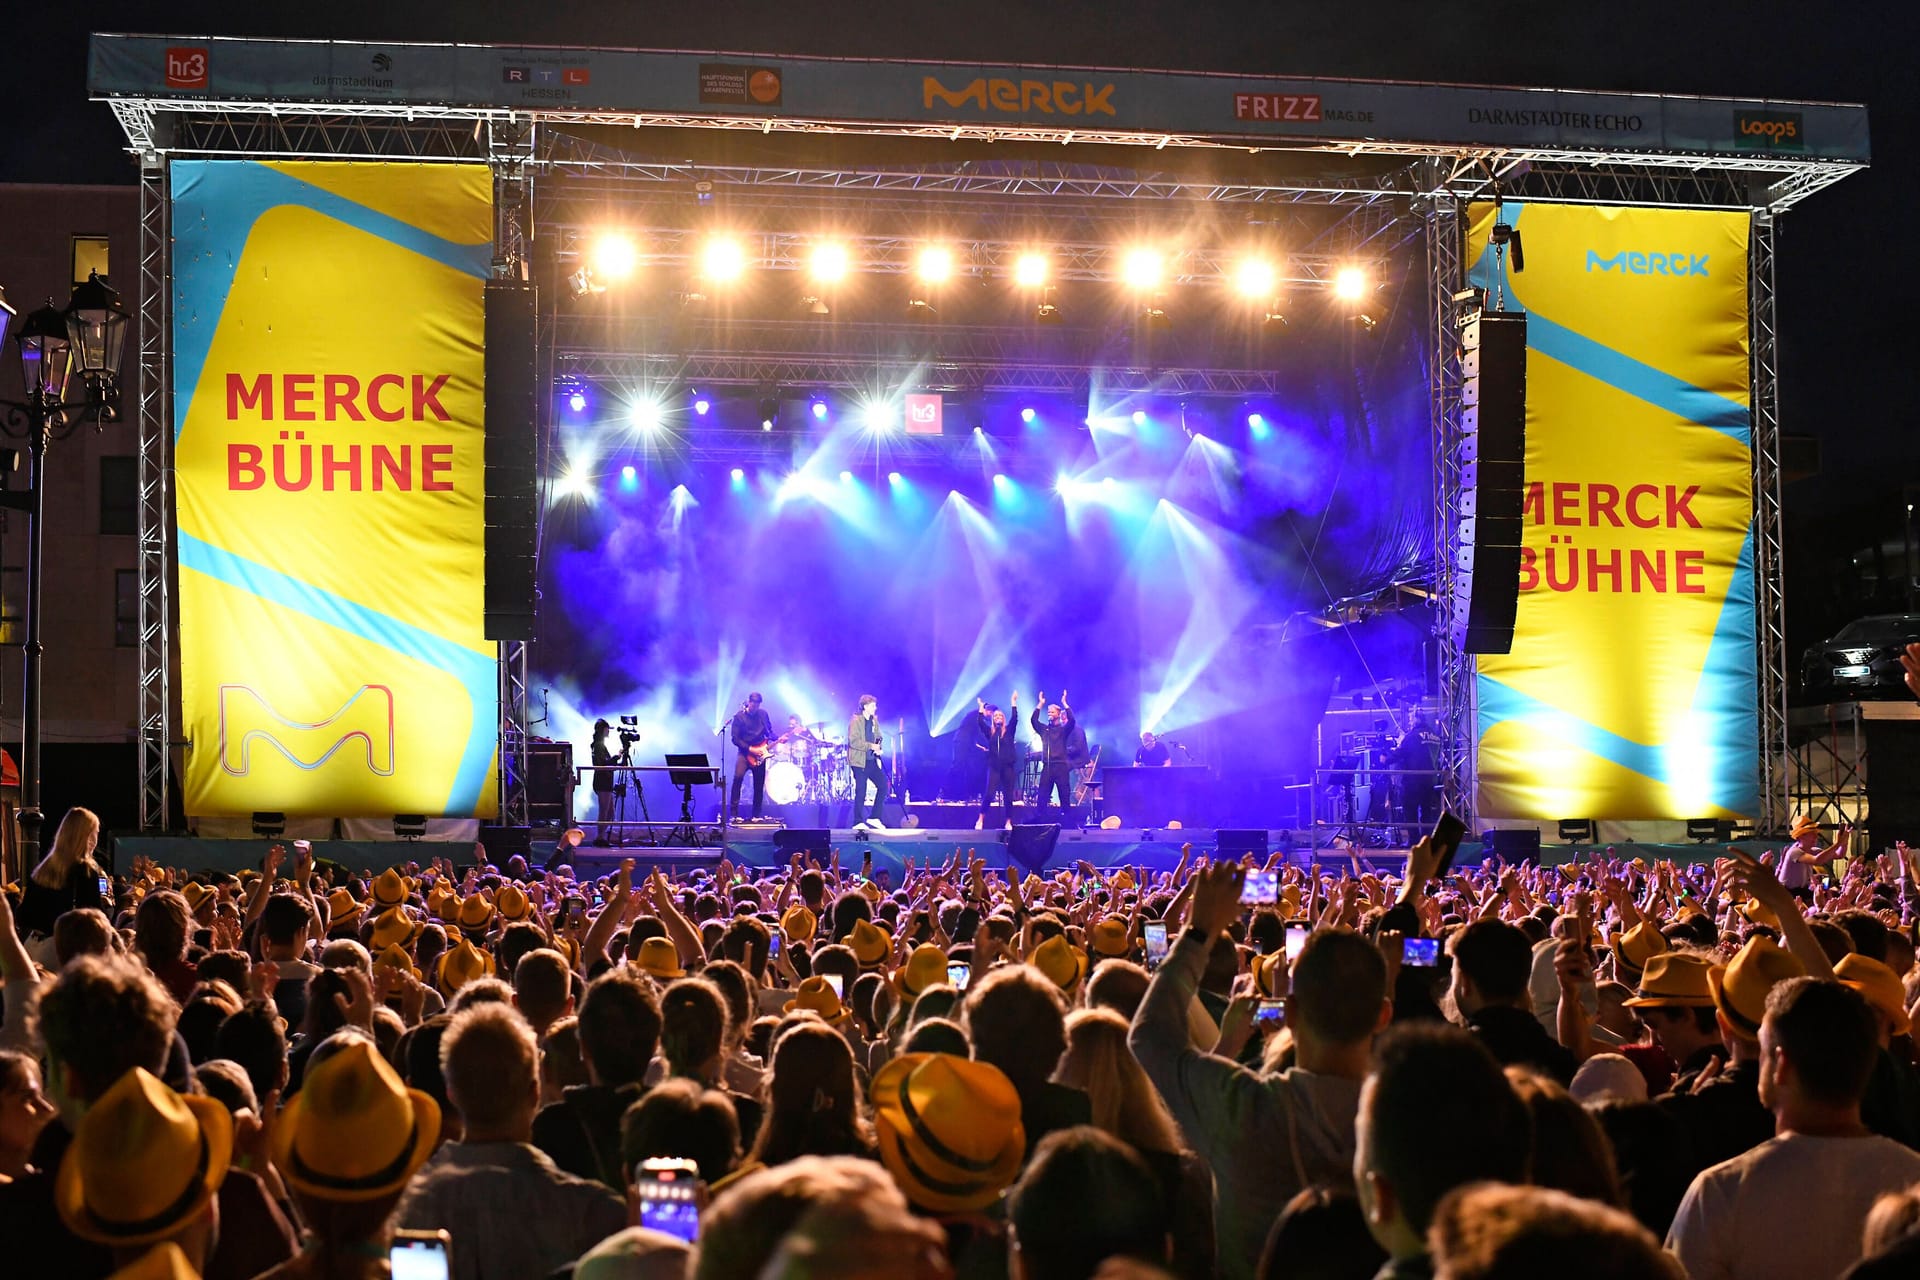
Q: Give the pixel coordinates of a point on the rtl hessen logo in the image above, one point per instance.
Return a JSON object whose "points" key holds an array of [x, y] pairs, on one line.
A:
{"points": [[1774, 130], [186, 68]]}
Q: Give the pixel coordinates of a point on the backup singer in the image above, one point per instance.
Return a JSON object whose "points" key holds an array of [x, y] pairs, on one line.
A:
{"points": [[752, 732], [1059, 740], [999, 746], [863, 758]]}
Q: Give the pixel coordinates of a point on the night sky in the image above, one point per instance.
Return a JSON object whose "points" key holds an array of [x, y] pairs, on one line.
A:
{"points": [[1847, 264]]}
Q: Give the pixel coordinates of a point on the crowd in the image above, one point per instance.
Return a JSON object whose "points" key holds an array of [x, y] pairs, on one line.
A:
{"points": [[1611, 1068]]}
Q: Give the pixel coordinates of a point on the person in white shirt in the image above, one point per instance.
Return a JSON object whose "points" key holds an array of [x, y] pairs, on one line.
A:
{"points": [[1793, 1207]]}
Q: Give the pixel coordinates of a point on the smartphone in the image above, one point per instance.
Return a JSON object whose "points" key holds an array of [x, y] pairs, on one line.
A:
{"points": [[106, 887], [957, 975], [1446, 842], [1420, 953], [421, 1255], [669, 1192], [838, 983], [1270, 1015], [1296, 941], [576, 908], [1261, 887], [1156, 935], [773, 945]]}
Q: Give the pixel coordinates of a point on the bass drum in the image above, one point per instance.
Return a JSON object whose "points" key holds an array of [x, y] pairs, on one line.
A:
{"points": [[784, 781]]}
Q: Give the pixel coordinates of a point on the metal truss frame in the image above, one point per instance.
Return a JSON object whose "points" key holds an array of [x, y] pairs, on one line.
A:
{"points": [[1457, 730], [1769, 543], [153, 422], [522, 146]]}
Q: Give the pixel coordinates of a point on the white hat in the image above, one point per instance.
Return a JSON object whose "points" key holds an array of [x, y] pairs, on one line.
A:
{"points": [[1608, 1077]]}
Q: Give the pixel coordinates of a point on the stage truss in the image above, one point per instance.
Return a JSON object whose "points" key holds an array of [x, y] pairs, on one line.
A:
{"points": [[1423, 192]]}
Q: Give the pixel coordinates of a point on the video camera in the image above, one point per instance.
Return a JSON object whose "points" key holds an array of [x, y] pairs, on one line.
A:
{"points": [[629, 730]]}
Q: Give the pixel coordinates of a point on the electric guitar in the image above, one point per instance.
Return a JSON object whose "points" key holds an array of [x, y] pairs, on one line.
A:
{"points": [[757, 756]]}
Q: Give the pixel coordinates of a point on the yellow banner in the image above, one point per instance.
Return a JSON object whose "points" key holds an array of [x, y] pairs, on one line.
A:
{"points": [[328, 374], [1630, 690]]}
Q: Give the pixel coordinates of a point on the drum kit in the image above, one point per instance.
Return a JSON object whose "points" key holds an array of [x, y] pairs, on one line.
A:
{"points": [[806, 768]]}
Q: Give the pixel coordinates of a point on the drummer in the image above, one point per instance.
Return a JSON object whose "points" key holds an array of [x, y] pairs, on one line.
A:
{"points": [[797, 732]]}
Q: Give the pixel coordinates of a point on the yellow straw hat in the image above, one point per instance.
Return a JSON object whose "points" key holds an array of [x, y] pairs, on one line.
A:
{"points": [[512, 903], [463, 963], [949, 1130], [870, 945], [816, 995], [145, 1161], [1741, 985], [659, 957], [925, 967], [799, 924], [1880, 985], [389, 889], [1062, 962], [354, 1132], [1110, 937], [391, 928]]}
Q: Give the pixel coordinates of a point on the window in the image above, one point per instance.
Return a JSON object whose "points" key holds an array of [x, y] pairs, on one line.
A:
{"points": [[13, 605], [126, 607], [119, 495], [89, 255]]}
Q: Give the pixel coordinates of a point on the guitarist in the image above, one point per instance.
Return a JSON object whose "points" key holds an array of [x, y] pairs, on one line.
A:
{"points": [[999, 745], [863, 758], [752, 732]]}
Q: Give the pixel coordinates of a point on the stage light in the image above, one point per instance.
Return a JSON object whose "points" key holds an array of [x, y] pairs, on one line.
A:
{"points": [[576, 481], [1141, 269], [893, 477], [935, 265], [1027, 416], [577, 401], [1350, 284], [819, 410], [1256, 278], [979, 431], [1139, 417], [723, 259], [1255, 422], [628, 472], [1106, 482], [647, 414], [846, 477], [1030, 270], [701, 407], [769, 412], [1062, 483], [738, 475], [829, 263], [999, 481], [877, 415], [613, 258]]}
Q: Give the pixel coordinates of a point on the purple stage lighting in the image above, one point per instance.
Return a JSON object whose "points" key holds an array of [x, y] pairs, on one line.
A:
{"points": [[577, 401], [846, 477], [738, 475], [893, 477], [1139, 417], [819, 410], [1027, 416], [701, 406]]}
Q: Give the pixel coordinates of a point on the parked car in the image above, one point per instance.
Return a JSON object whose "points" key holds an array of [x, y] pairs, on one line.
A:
{"points": [[1861, 661]]}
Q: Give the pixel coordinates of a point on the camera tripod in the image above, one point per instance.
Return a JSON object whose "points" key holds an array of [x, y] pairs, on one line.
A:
{"points": [[620, 783]]}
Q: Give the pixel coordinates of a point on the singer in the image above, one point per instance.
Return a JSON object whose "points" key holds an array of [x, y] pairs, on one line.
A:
{"points": [[1152, 753]]}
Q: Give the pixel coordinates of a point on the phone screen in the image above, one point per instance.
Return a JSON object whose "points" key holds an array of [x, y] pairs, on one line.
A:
{"points": [[957, 975], [838, 983], [1296, 940], [1261, 886], [773, 944], [1270, 1015], [1446, 842], [1156, 938], [106, 887], [419, 1258], [670, 1207], [1421, 953]]}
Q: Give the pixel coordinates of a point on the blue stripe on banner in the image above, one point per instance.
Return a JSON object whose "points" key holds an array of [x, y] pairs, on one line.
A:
{"points": [[216, 203], [477, 673]]}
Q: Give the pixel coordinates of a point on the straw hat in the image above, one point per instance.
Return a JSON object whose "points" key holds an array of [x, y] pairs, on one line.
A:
{"points": [[389, 889], [443, 903], [1110, 937], [926, 967], [165, 1261], [391, 928], [1264, 967], [342, 907], [1757, 914], [354, 1132], [870, 944], [512, 903], [799, 924], [659, 957], [463, 963], [1290, 900], [1122, 880], [1062, 962], [1741, 985], [475, 914], [1880, 985], [196, 893], [396, 958], [949, 1130], [1634, 948], [1674, 979], [816, 995], [145, 1162]]}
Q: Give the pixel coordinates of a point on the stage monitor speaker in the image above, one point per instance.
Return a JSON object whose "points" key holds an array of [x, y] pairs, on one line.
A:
{"points": [[1493, 449], [1513, 844], [1231, 842], [511, 473], [549, 780], [1893, 780], [1031, 845], [794, 840]]}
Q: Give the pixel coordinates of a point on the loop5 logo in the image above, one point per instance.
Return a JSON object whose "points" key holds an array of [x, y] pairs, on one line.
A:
{"points": [[1774, 130], [247, 718]]}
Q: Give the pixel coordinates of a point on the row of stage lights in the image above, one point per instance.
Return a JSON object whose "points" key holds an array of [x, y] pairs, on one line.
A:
{"points": [[578, 481], [880, 416], [614, 258]]}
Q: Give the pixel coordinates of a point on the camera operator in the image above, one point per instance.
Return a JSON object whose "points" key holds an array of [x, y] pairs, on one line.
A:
{"points": [[602, 781]]}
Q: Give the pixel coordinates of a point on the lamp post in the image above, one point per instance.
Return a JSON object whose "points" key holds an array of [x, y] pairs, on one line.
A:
{"points": [[85, 338]]}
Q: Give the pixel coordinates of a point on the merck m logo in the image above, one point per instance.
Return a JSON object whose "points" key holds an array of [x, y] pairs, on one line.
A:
{"points": [[1651, 264], [1023, 97], [246, 718]]}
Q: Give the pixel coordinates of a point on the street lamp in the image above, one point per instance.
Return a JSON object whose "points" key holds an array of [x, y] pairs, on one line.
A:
{"points": [[85, 338]]}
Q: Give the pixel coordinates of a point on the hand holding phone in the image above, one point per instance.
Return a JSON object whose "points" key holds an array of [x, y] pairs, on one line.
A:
{"points": [[1447, 833], [958, 974], [1296, 941], [1154, 932], [1270, 1015], [1260, 887], [670, 1195], [421, 1255], [1420, 953]]}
